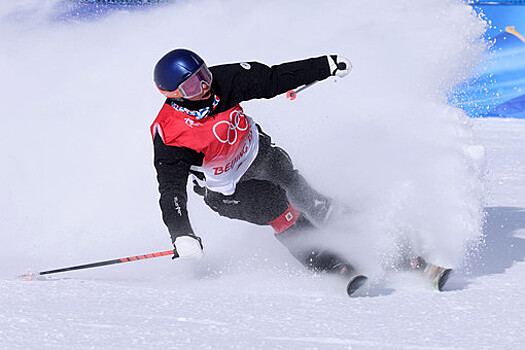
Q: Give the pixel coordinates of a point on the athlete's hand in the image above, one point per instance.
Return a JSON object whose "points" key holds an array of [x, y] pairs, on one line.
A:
{"points": [[339, 66], [189, 247]]}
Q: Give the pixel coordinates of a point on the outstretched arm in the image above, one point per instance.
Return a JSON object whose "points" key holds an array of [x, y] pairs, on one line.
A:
{"points": [[268, 82], [239, 82]]}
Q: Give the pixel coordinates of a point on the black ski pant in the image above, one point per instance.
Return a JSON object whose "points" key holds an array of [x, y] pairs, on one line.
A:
{"points": [[267, 188], [266, 191]]}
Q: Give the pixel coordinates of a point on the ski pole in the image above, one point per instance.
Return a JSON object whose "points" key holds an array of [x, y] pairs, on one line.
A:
{"points": [[30, 276], [292, 94]]}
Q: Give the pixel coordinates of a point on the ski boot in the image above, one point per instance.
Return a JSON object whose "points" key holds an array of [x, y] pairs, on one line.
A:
{"points": [[331, 263], [437, 275]]}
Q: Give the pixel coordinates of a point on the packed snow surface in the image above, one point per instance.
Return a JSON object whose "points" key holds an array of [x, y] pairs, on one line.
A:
{"points": [[78, 183]]}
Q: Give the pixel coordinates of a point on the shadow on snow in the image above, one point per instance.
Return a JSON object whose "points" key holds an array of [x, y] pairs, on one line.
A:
{"points": [[503, 246]]}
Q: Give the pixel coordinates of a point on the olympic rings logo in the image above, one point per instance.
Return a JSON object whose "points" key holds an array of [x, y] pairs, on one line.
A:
{"points": [[237, 123]]}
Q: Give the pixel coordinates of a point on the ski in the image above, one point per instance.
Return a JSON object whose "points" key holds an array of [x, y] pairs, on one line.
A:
{"points": [[437, 275], [355, 283], [355, 279]]}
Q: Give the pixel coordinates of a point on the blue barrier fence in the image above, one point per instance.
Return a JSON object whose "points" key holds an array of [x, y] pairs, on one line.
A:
{"points": [[498, 88]]}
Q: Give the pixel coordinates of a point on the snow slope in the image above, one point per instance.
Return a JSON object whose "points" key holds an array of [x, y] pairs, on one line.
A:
{"points": [[78, 184]]}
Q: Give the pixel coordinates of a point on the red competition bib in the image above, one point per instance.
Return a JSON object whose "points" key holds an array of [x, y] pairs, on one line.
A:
{"points": [[229, 141]]}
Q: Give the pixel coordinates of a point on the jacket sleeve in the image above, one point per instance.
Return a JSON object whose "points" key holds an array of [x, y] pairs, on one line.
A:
{"points": [[239, 82], [173, 168]]}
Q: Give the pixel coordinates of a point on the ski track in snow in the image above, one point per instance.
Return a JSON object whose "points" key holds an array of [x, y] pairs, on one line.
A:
{"points": [[78, 184]]}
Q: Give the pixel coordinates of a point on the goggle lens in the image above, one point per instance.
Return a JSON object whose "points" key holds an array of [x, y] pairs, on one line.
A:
{"points": [[192, 86]]}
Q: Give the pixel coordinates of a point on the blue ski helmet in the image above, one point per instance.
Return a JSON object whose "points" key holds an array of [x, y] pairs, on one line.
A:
{"points": [[174, 67]]}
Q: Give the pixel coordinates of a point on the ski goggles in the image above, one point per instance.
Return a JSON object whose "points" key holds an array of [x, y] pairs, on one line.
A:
{"points": [[191, 86]]}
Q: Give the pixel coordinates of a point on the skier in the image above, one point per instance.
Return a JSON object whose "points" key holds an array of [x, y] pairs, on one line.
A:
{"points": [[201, 131]]}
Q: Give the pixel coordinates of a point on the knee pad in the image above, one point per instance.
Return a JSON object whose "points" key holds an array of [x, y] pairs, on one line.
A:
{"points": [[284, 221]]}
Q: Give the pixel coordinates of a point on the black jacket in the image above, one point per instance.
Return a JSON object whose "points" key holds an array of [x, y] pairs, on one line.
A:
{"points": [[232, 83]]}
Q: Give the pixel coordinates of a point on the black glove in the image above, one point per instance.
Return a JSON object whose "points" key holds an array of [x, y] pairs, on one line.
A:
{"points": [[200, 190]]}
